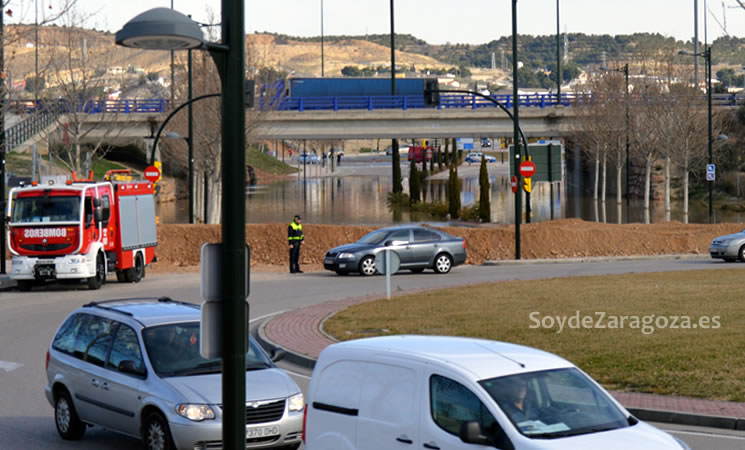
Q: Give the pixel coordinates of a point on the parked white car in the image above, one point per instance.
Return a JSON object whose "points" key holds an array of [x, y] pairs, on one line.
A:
{"points": [[461, 393], [475, 157]]}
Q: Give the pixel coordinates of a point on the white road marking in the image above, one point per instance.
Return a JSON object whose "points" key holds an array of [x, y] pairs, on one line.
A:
{"points": [[9, 366], [266, 315], [297, 374]]}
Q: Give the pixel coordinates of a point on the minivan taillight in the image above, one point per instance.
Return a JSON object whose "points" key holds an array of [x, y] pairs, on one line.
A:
{"points": [[46, 364], [305, 418]]}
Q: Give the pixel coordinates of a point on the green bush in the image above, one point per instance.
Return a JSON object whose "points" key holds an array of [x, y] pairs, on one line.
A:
{"points": [[470, 213]]}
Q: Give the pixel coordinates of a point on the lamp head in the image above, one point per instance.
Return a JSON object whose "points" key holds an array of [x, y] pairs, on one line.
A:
{"points": [[160, 29]]}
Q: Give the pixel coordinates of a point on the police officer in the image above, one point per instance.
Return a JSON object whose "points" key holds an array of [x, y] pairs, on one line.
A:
{"points": [[295, 240]]}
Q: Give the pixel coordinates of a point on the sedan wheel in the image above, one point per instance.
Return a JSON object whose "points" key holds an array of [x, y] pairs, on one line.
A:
{"points": [[443, 263], [741, 253], [367, 266]]}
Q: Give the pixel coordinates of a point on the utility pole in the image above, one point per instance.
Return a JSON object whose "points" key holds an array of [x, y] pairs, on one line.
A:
{"points": [[2, 145], [516, 131], [395, 156]]}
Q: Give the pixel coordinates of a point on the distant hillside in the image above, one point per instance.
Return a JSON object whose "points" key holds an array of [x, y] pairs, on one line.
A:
{"points": [[540, 51], [359, 55]]}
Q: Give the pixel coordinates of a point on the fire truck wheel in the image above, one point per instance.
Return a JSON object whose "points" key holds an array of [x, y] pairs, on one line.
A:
{"points": [[136, 273], [121, 276], [139, 269], [99, 278]]}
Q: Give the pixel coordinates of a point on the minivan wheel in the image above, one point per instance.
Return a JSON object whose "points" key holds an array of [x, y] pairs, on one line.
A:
{"points": [[367, 266], [443, 263], [156, 433], [69, 425]]}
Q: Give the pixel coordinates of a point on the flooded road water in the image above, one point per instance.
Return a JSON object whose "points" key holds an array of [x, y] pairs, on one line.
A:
{"points": [[356, 193]]}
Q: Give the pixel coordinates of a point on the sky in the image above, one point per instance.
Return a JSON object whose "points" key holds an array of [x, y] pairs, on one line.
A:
{"points": [[435, 21]]}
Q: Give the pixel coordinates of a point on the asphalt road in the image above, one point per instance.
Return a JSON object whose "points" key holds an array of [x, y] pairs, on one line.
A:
{"points": [[28, 321]]}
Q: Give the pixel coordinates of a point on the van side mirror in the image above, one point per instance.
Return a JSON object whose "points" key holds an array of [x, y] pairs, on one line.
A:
{"points": [[470, 433], [129, 366]]}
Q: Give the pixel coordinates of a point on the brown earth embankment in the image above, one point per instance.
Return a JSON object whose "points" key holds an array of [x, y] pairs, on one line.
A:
{"points": [[179, 245]]}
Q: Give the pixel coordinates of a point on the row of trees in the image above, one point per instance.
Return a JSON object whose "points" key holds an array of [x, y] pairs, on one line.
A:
{"points": [[663, 117]]}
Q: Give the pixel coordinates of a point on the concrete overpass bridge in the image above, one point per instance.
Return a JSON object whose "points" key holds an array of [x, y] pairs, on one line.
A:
{"points": [[127, 122]]}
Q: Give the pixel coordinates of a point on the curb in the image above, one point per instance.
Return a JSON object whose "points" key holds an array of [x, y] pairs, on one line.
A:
{"points": [[292, 357], [6, 282], [586, 259], [680, 418]]}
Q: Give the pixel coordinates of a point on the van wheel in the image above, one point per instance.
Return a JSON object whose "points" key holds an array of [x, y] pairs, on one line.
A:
{"points": [[69, 425], [99, 278], [156, 434], [25, 285]]}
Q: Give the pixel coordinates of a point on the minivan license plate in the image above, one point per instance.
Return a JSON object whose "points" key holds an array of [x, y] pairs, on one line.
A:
{"points": [[255, 432]]}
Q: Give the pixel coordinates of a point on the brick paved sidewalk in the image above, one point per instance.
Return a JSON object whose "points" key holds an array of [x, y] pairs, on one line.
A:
{"points": [[299, 332]]}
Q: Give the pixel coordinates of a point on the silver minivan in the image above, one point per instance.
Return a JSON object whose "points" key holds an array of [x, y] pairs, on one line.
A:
{"points": [[134, 366]]}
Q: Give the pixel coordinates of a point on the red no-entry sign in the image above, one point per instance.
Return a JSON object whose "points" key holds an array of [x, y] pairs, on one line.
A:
{"points": [[152, 174], [527, 169], [514, 184]]}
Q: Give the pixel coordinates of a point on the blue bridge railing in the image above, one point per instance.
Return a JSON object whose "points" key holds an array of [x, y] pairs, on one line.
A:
{"points": [[447, 101]]}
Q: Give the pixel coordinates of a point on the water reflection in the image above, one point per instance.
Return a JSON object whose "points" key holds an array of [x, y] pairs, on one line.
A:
{"points": [[361, 200]]}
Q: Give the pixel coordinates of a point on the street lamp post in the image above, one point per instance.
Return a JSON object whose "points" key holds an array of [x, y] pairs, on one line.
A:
{"points": [[558, 56], [516, 131], [707, 57], [2, 148], [165, 29]]}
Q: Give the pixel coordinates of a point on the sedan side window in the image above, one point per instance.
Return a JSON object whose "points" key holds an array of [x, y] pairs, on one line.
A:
{"points": [[400, 236], [452, 404], [425, 236], [125, 348]]}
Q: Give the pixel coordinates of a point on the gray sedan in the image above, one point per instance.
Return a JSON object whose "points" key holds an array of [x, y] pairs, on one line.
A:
{"points": [[729, 248], [418, 248]]}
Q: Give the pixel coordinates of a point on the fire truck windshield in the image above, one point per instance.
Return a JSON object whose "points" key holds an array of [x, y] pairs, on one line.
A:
{"points": [[46, 209]]}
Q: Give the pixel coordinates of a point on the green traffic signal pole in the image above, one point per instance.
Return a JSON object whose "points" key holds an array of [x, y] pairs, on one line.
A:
{"points": [[518, 132]]}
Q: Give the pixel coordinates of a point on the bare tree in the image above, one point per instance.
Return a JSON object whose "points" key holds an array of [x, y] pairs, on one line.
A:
{"points": [[208, 118]]}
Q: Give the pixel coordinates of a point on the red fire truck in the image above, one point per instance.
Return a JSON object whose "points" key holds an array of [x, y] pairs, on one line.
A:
{"points": [[82, 230]]}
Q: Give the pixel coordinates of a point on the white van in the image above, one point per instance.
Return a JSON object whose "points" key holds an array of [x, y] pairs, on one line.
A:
{"points": [[414, 392]]}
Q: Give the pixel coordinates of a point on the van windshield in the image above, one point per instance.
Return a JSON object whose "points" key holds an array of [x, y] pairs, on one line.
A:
{"points": [[46, 209], [173, 350], [555, 403]]}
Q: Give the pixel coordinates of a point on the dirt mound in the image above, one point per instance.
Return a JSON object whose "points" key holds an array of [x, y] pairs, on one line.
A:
{"points": [[179, 245]]}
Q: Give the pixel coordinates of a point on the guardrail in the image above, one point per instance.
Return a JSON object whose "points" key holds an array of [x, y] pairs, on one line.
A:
{"points": [[126, 106], [28, 128], [44, 112], [447, 101]]}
